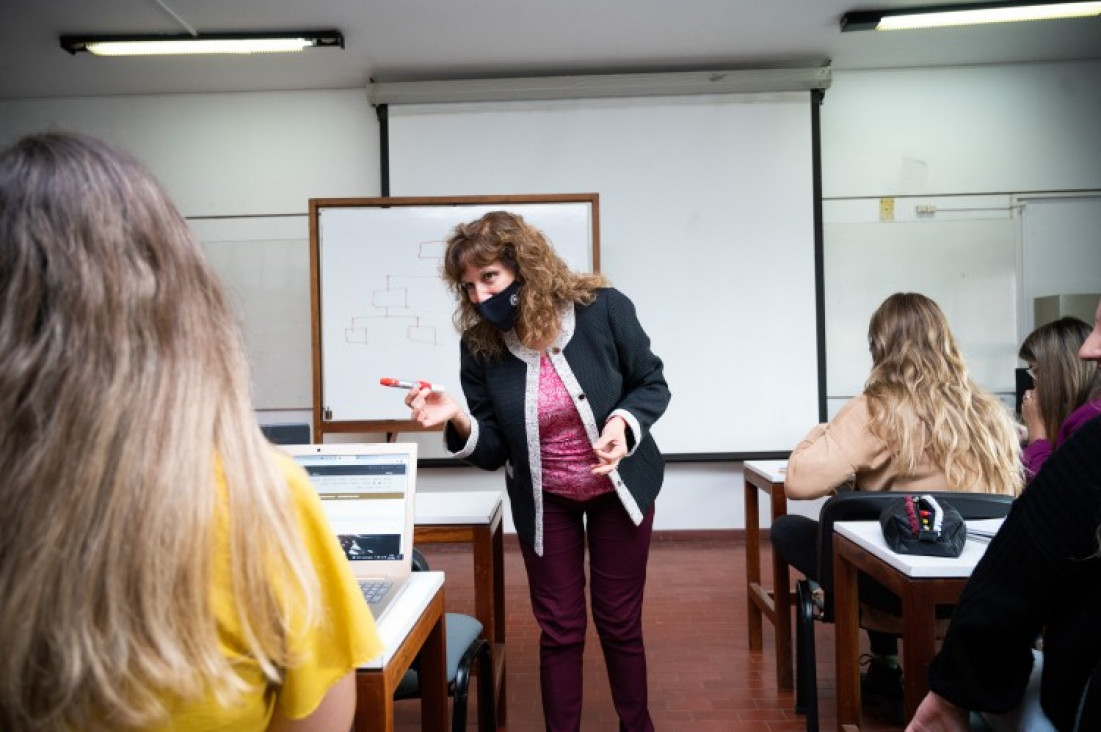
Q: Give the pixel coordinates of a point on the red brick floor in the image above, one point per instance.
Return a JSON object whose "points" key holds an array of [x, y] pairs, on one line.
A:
{"points": [[703, 677]]}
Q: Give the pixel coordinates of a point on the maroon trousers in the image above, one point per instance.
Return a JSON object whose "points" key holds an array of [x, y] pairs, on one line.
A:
{"points": [[618, 551]]}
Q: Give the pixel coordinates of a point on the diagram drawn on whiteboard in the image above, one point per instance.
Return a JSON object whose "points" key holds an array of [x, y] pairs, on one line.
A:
{"points": [[404, 301]]}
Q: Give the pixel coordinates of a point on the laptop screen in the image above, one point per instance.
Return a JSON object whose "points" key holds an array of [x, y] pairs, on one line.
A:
{"points": [[366, 498]]}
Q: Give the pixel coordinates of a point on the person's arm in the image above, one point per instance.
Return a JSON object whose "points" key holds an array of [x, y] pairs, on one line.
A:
{"points": [[1039, 446], [1035, 564], [475, 435], [335, 712], [832, 454], [1034, 456], [645, 392]]}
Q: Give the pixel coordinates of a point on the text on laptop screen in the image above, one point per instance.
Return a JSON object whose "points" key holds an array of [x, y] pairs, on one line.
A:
{"points": [[364, 499]]}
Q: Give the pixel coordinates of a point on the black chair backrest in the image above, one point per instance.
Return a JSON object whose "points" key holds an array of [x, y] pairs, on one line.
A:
{"points": [[420, 564], [867, 506]]}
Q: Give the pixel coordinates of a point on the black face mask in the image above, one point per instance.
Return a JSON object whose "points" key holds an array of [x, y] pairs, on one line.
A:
{"points": [[501, 309]]}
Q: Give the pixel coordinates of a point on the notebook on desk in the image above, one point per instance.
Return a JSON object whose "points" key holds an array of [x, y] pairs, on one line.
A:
{"points": [[367, 491]]}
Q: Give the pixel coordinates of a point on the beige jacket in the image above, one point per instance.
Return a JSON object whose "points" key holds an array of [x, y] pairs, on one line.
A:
{"points": [[845, 451]]}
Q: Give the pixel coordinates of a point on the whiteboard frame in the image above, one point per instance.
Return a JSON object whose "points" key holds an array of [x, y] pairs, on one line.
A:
{"points": [[322, 425]]}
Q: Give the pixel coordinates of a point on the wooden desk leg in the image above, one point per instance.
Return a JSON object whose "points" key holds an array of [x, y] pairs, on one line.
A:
{"points": [[499, 615], [781, 593], [919, 636], [374, 705], [485, 570], [753, 565], [846, 611], [489, 592], [433, 676]]}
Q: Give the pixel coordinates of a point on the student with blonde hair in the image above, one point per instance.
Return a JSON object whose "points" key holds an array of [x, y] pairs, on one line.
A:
{"points": [[921, 424], [161, 566]]}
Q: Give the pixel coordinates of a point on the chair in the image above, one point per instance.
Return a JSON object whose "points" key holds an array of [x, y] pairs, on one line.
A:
{"points": [[813, 600], [464, 646]]}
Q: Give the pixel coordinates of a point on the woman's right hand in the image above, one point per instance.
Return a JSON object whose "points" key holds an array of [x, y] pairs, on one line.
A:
{"points": [[1030, 413], [431, 408]]}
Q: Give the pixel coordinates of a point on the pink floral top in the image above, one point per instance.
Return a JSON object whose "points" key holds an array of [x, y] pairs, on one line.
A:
{"points": [[567, 453]]}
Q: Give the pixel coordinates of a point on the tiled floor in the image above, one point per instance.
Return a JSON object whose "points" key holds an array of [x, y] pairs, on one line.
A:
{"points": [[702, 675]]}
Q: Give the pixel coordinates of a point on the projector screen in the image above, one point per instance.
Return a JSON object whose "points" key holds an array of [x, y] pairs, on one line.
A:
{"points": [[706, 223]]}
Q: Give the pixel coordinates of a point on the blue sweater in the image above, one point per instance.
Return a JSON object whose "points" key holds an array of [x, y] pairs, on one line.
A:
{"points": [[604, 359]]}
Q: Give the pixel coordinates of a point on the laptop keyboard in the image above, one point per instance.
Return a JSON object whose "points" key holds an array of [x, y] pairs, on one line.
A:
{"points": [[375, 589]]}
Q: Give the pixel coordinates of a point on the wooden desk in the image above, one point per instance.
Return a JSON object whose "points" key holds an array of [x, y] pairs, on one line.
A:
{"points": [[921, 583], [775, 604], [413, 625], [474, 517]]}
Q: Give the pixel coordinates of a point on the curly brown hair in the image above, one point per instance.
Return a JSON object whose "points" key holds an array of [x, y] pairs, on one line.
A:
{"points": [[547, 281]]}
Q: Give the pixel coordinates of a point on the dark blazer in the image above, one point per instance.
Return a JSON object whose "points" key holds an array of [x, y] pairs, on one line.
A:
{"points": [[603, 357], [1041, 573]]}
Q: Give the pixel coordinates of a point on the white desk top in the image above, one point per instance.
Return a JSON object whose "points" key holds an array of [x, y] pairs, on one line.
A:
{"points": [[456, 507], [402, 614], [774, 470], [868, 535]]}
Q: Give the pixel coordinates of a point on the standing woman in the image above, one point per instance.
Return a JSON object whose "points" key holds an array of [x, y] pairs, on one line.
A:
{"points": [[161, 566], [562, 389], [1067, 391]]}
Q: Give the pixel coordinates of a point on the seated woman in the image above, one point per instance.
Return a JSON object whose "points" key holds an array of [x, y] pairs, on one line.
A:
{"points": [[161, 565], [921, 424], [1067, 390]]}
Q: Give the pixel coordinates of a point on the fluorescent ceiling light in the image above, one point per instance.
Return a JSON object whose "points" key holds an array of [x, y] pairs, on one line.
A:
{"points": [[205, 43], [969, 14]]}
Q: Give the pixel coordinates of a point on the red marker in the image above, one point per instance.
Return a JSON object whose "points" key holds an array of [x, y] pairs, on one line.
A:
{"points": [[399, 384]]}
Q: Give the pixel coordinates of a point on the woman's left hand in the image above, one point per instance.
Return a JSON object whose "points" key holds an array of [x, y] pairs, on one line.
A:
{"points": [[1030, 413], [611, 447]]}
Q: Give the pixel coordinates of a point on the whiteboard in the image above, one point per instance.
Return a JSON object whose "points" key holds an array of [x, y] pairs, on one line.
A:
{"points": [[384, 309], [966, 262], [1059, 248], [263, 263], [706, 223]]}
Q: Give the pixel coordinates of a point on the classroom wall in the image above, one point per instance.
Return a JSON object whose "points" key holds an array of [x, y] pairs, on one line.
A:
{"points": [[950, 131], [919, 131], [228, 154]]}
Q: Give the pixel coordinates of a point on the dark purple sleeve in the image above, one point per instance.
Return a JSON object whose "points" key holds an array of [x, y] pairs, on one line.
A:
{"points": [[1034, 457]]}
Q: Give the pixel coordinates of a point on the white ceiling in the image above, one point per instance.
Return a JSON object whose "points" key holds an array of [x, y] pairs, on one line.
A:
{"points": [[407, 40]]}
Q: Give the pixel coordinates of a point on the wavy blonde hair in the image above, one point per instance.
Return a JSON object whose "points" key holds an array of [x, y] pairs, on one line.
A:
{"points": [[547, 281], [124, 387], [1064, 381], [923, 402]]}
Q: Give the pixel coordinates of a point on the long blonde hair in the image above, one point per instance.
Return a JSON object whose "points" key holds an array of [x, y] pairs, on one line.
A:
{"points": [[1064, 381], [923, 402], [547, 281], [124, 389]]}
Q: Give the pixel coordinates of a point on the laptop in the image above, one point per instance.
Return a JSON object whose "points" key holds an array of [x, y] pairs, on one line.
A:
{"points": [[367, 491]]}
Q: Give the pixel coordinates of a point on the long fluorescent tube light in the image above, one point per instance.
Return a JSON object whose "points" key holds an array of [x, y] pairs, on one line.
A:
{"points": [[970, 14], [204, 43]]}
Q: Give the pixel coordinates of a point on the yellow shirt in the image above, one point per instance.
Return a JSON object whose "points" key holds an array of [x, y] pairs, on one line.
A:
{"points": [[344, 638]]}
